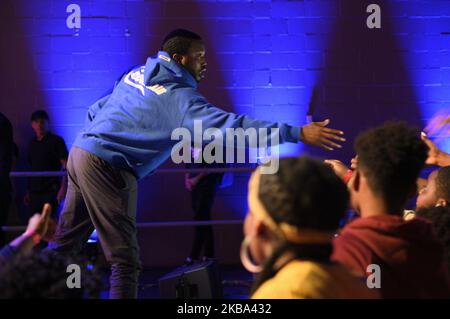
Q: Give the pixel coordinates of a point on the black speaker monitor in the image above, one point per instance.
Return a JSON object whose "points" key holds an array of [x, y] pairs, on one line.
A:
{"points": [[198, 281]]}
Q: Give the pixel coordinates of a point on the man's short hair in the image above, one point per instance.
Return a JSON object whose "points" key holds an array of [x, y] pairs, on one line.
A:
{"points": [[39, 115], [391, 157], [443, 183], [179, 41]]}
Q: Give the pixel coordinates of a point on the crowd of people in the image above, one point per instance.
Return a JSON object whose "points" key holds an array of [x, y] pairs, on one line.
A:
{"points": [[295, 247], [295, 239]]}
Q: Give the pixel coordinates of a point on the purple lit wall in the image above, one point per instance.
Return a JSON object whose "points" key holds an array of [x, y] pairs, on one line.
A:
{"points": [[265, 59]]}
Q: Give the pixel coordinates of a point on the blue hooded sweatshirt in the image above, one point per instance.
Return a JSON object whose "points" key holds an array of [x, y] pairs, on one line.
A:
{"points": [[131, 128]]}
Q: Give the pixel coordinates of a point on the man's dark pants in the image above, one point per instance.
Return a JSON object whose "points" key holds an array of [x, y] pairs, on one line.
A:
{"points": [[102, 197], [202, 201]]}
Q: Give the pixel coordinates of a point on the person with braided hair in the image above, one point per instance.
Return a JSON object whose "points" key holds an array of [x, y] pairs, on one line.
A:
{"points": [[293, 216]]}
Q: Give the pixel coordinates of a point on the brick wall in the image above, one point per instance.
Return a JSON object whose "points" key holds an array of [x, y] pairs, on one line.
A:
{"points": [[265, 59]]}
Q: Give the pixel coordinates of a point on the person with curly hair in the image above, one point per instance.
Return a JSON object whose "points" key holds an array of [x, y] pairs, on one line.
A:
{"points": [[409, 255], [293, 216], [437, 190]]}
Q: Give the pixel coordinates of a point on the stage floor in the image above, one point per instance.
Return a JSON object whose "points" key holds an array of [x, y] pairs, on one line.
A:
{"points": [[236, 282]]}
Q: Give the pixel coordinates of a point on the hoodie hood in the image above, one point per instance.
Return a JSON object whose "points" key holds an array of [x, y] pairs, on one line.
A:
{"points": [[394, 240], [161, 69]]}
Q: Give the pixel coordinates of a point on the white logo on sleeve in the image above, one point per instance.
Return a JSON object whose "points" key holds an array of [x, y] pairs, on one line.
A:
{"points": [[163, 57], [136, 79]]}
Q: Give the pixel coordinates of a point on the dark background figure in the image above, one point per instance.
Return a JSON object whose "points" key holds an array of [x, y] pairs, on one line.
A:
{"points": [[203, 187], [46, 152], [8, 155]]}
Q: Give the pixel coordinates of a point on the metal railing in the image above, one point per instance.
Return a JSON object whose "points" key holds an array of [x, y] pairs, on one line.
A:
{"points": [[158, 171], [156, 224]]}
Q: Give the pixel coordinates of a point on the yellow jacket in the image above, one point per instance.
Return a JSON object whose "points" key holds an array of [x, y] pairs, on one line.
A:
{"points": [[306, 279]]}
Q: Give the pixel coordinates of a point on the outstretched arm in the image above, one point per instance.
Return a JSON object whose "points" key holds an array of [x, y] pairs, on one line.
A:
{"points": [[316, 133]]}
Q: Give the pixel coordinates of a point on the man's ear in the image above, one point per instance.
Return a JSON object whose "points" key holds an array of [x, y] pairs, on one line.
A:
{"points": [[262, 231], [356, 181], [258, 227], [178, 58]]}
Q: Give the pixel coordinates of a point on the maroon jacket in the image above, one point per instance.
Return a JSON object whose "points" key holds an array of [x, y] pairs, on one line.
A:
{"points": [[410, 256]]}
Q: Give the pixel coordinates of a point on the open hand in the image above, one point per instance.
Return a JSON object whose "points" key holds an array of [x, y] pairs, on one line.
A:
{"points": [[435, 155], [317, 134], [39, 223], [339, 168]]}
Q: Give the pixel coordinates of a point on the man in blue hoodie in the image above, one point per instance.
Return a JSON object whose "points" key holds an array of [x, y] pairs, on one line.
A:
{"points": [[127, 135]]}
